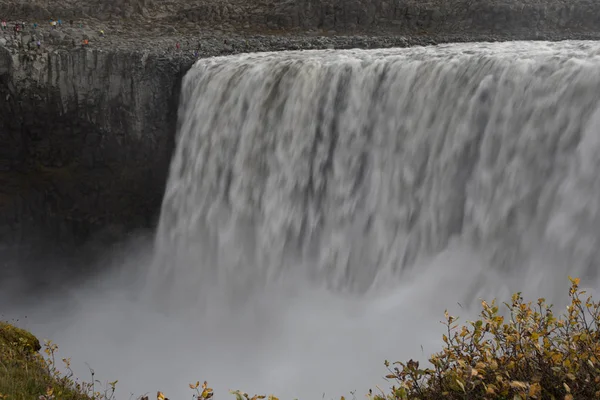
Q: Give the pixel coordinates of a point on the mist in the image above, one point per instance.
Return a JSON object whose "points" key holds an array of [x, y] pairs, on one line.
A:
{"points": [[291, 339]]}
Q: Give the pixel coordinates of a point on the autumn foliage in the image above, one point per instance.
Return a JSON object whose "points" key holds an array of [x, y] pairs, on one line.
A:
{"points": [[532, 354]]}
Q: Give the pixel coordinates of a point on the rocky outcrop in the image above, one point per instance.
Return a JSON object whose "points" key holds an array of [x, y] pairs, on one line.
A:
{"points": [[85, 140]]}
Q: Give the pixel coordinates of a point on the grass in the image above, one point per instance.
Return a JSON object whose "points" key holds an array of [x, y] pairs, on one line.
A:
{"points": [[25, 374], [530, 354]]}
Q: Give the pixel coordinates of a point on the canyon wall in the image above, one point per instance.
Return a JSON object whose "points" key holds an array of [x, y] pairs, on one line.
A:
{"points": [[85, 141]]}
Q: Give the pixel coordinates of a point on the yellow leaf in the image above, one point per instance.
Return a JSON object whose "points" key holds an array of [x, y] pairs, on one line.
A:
{"points": [[569, 397], [49, 391], [535, 390], [518, 385], [576, 281], [160, 396], [474, 372], [204, 385], [192, 386], [461, 385], [567, 388]]}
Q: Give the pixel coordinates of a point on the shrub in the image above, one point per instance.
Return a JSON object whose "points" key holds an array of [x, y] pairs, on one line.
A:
{"points": [[531, 355]]}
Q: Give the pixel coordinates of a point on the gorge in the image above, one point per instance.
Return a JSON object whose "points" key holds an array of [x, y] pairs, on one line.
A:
{"points": [[307, 205]]}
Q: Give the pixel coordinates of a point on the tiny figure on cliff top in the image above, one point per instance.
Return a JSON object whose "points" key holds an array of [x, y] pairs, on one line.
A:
{"points": [[101, 33], [39, 44], [3, 24], [84, 43], [177, 46], [35, 25]]}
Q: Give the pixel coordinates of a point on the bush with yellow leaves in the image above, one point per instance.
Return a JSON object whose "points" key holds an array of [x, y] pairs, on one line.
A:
{"points": [[533, 354]]}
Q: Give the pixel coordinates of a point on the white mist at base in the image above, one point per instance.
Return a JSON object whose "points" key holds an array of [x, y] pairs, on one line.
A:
{"points": [[301, 344], [324, 208]]}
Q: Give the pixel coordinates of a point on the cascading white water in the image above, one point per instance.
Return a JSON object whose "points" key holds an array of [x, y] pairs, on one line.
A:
{"points": [[350, 165], [300, 172]]}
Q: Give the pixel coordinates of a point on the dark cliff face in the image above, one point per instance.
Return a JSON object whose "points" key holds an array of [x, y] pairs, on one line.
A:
{"points": [[449, 16], [85, 142]]}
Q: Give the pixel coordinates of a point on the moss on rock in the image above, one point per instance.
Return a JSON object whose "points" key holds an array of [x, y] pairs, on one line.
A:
{"points": [[10, 335]]}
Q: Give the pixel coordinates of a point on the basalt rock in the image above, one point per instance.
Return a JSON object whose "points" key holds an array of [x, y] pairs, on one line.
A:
{"points": [[85, 140]]}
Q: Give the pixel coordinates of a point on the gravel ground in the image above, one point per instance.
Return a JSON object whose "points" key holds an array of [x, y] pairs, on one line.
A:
{"points": [[203, 43]]}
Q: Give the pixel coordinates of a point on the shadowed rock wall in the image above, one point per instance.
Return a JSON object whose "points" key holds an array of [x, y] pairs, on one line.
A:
{"points": [[85, 141]]}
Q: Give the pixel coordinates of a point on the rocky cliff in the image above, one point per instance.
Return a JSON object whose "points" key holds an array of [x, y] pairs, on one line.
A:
{"points": [[487, 16], [85, 140], [86, 133], [395, 15], [339, 15]]}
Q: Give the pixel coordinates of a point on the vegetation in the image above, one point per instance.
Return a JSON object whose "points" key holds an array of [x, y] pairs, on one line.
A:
{"points": [[530, 354], [25, 374], [533, 354]]}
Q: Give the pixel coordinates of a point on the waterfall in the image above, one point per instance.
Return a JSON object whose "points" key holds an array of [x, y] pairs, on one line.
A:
{"points": [[345, 199], [346, 167]]}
